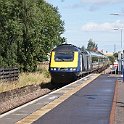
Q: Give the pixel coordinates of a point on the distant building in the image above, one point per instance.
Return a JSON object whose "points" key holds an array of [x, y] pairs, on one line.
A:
{"points": [[108, 53]]}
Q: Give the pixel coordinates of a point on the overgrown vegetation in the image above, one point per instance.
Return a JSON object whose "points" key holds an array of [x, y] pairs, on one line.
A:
{"points": [[25, 79], [29, 29], [112, 59]]}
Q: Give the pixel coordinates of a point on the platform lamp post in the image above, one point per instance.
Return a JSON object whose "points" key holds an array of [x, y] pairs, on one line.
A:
{"points": [[118, 14], [121, 34], [120, 68], [123, 66], [121, 29]]}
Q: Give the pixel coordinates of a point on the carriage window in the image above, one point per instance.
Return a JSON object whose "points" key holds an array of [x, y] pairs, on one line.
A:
{"points": [[94, 59], [64, 56]]}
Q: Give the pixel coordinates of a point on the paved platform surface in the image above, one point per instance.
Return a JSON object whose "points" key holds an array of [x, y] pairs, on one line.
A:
{"points": [[90, 105], [119, 112]]}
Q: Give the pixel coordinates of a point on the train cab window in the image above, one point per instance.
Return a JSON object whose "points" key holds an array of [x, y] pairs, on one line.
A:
{"points": [[64, 56]]}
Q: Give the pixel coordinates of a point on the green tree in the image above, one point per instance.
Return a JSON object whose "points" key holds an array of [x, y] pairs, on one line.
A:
{"points": [[8, 34], [115, 55], [92, 46], [29, 30], [52, 28], [112, 59]]}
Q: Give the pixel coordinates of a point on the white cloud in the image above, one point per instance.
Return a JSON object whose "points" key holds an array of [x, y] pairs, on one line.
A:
{"points": [[96, 4], [92, 26]]}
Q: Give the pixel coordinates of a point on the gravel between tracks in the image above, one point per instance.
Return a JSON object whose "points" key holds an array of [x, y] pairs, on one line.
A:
{"points": [[20, 100]]}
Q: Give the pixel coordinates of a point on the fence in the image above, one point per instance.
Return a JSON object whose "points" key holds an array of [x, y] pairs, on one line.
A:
{"points": [[9, 74]]}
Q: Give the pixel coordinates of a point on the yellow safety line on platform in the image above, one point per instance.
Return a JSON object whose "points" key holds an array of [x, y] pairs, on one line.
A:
{"points": [[39, 113]]}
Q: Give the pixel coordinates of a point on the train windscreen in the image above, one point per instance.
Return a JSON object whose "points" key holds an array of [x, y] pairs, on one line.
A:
{"points": [[64, 56]]}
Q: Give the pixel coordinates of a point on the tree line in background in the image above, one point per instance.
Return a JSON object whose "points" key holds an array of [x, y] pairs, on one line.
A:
{"points": [[92, 46], [29, 29]]}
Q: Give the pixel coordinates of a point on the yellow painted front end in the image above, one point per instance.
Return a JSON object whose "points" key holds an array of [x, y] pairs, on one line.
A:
{"points": [[64, 64]]}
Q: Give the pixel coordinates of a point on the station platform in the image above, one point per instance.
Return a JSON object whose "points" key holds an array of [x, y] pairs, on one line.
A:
{"points": [[86, 101]]}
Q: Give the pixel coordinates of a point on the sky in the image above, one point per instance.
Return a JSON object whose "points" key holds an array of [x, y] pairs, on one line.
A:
{"points": [[93, 19]]}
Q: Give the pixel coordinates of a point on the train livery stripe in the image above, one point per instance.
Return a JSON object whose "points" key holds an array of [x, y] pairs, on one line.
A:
{"points": [[74, 63]]}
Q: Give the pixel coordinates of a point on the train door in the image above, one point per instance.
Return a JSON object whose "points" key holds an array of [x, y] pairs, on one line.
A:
{"points": [[87, 63], [90, 62], [83, 63], [89, 59]]}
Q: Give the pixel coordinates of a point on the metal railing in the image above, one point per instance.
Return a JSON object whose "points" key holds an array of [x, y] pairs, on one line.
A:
{"points": [[9, 74]]}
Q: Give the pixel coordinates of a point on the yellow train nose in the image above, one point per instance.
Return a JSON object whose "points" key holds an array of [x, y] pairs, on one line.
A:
{"points": [[64, 64]]}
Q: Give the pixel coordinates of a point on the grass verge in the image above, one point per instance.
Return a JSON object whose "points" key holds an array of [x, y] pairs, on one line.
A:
{"points": [[39, 77]]}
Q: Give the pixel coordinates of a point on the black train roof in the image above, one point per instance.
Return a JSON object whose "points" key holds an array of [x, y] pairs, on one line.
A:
{"points": [[66, 47], [70, 47]]}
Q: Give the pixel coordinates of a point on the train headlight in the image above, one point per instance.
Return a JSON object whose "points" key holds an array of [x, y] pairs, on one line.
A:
{"points": [[53, 69], [72, 69]]}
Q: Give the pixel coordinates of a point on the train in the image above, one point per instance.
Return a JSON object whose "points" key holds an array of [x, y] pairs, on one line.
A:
{"points": [[68, 62]]}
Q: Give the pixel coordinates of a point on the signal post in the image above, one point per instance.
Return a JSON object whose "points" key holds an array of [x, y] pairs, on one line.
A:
{"points": [[123, 65]]}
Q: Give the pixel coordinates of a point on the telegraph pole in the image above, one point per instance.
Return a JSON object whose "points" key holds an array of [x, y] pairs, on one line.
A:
{"points": [[123, 66]]}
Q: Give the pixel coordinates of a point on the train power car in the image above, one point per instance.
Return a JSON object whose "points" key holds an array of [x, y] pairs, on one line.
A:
{"points": [[68, 62]]}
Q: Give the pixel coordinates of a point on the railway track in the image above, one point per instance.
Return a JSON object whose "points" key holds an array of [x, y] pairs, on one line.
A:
{"points": [[9, 103]]}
